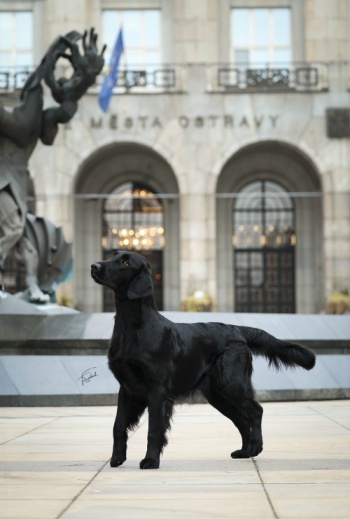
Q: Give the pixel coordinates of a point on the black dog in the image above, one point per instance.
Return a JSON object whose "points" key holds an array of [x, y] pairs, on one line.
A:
{"points": [[157, 361]]}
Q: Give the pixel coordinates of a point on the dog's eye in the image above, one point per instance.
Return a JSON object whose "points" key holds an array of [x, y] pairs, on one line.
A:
{"points": [[125, 262]]}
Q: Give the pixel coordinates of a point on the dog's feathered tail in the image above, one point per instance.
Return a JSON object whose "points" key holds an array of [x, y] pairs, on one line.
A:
{"points": [[278, 353]]}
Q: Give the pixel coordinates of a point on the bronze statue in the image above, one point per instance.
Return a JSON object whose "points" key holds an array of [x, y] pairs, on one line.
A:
{"points": [[19, 134]]}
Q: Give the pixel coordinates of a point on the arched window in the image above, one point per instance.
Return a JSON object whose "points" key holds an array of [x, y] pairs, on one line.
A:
{"points": [[133, 219], [264, 242]]}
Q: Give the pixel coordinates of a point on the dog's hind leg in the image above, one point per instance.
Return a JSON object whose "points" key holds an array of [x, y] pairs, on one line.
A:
{"points": [[229, 389], [255, 445], [129, 413]]}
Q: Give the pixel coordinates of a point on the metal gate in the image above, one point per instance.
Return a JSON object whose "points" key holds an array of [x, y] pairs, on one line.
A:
{"points": [[264, 280], [133, 220], [264, 249]]}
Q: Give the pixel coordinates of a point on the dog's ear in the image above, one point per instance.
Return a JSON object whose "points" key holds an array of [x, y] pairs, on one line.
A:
{"points": [[141, 286]]}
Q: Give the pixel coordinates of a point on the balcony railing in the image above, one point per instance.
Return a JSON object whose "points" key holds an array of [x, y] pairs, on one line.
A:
{"points": [[216, 78], [163, 79], [13, 79], [297, 76]]}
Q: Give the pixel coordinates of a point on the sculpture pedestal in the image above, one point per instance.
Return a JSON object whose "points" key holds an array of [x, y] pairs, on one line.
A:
{"points": [[19, 305]]}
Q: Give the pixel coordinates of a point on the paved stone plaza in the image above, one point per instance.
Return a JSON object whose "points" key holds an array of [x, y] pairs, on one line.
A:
{"points": [[54, 464]]}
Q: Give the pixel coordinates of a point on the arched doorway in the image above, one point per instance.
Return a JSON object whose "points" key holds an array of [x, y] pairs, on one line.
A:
{"points": [[133, 219], [264, 244], [294, 186], [120, 171]]}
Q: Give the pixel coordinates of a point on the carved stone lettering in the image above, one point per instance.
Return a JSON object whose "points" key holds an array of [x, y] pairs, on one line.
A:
{"points": [[213, 119], [143, 120], [210, 121], [258, 120], [273, 119], [228, 120], [113, 122], [156, 122], [96, 123], [184, 121]]}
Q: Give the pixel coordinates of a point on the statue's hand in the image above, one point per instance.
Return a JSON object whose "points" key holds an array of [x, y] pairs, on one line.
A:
{"points": [[92, 58], [86, 67]]}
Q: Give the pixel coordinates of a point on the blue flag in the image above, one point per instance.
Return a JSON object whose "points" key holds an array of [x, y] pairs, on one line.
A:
{"points": [[110, 79]]}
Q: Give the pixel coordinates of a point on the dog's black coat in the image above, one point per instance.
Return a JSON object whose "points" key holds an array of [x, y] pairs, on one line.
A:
{"points": [[157, 362]]}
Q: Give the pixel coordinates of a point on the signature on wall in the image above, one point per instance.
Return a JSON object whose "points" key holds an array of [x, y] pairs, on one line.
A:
{"points": [[87, 375]]}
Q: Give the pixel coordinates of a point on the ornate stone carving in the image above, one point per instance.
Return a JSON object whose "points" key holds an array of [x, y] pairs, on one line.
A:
{"points": [[20, 131]]}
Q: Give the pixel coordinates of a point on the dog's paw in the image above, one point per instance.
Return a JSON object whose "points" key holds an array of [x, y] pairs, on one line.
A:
{"points": [[116, 461], [253, 450], [242, 453], [149, 463]]}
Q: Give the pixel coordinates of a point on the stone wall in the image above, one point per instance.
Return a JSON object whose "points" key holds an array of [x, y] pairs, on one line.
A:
{"points": [[197, 130]]}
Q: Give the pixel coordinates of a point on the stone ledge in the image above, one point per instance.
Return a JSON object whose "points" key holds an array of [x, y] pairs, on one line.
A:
{"points": [[89, 334], [112, 399]]}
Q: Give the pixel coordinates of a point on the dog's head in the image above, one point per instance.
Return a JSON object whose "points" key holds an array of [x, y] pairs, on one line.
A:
{"points": [[128, 274]]}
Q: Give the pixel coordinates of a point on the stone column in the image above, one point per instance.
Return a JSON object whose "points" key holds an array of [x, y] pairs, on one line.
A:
{"points": [[197, 244], [337, 241]]}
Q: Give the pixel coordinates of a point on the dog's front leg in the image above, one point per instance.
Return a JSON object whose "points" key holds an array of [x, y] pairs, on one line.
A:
{"points": [[159, 415], [129, 413]]}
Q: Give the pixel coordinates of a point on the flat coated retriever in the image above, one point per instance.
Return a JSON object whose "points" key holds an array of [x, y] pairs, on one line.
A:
{"points": [[157, 362]]}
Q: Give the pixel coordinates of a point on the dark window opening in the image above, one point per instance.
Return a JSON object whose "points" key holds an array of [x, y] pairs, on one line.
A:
{"points": [[264, 242], [133, 219]]}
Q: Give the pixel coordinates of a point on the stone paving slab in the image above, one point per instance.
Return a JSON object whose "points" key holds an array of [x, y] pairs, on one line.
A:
{"points": [[54, 463]]}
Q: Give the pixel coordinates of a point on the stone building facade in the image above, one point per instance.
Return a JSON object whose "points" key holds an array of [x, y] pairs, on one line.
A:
{"points": [[231, 173]]}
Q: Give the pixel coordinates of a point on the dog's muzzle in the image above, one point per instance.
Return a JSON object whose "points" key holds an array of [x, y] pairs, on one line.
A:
{"points": [[96, 270]]}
